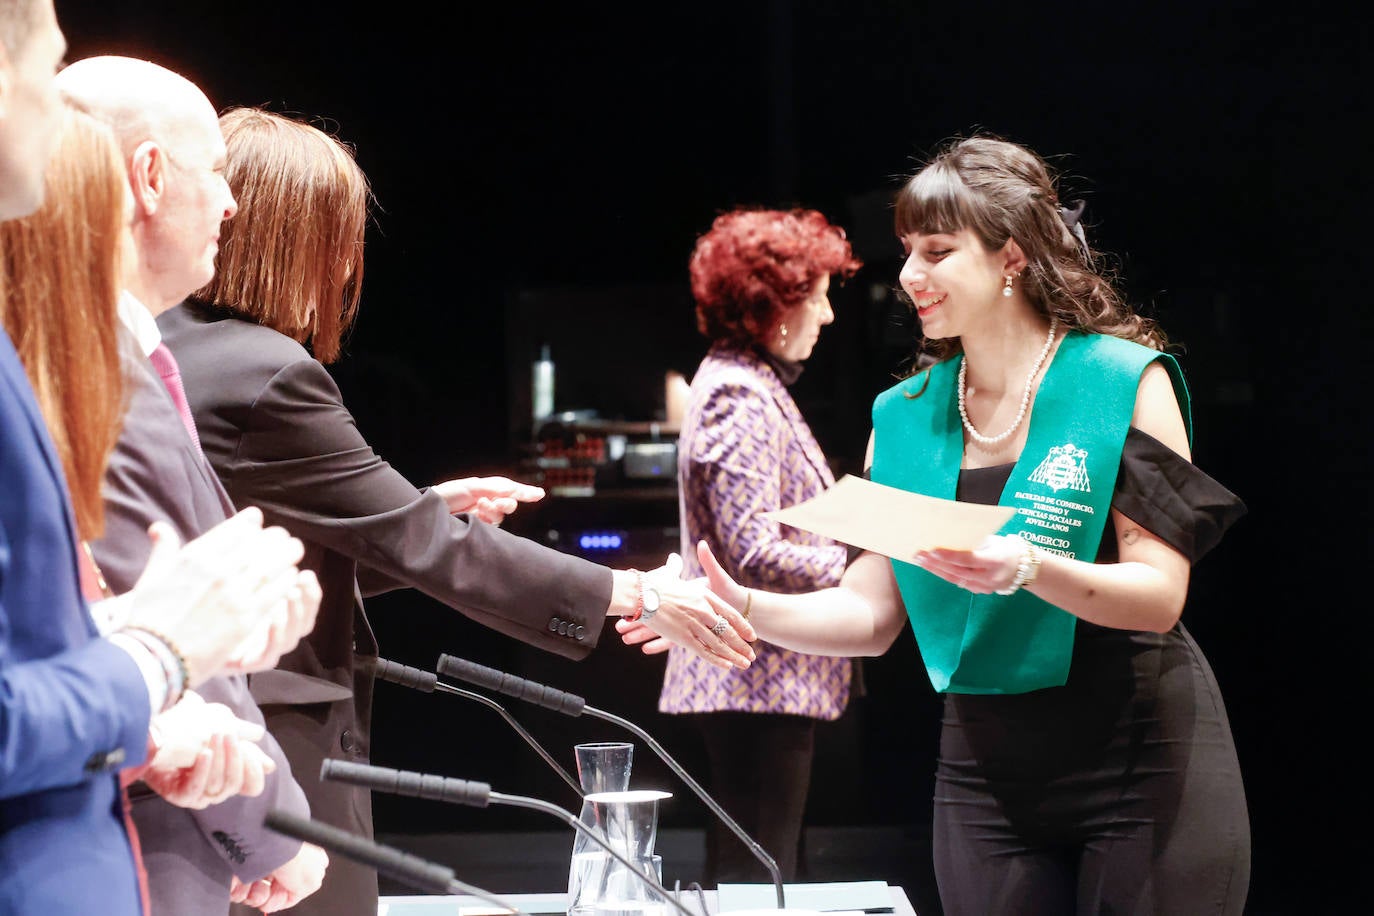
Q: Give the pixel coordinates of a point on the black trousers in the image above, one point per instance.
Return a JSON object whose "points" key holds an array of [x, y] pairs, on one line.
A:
{"points": [[760, 773], [1118, 793]]}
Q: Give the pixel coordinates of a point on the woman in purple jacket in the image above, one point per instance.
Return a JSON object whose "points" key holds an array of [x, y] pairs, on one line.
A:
{"points": [[761, 280]]}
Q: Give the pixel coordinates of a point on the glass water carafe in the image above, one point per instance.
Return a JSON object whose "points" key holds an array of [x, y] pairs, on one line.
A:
{"points": [[604, 885], [602, 766]]}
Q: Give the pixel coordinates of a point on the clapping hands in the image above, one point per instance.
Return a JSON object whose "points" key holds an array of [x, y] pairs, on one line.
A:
{"points": [[231, 600], [203, 754]]}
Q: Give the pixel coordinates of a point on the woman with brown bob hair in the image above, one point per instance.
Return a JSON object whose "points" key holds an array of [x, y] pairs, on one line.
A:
{"points": [[1086, 761], [274, 426], [306, 187], [761, 281]]}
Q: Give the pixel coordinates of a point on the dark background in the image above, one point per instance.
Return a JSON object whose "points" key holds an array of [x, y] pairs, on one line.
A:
{"points": [[570, 154]]}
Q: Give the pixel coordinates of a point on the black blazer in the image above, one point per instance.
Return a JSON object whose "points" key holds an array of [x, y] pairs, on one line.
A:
{"points": [[275, 429], [156, 473]]}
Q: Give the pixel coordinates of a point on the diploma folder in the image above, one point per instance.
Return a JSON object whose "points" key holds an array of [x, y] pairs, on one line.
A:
{"points": [[895, 523]]}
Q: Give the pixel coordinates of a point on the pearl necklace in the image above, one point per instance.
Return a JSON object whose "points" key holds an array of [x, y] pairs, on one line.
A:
{"points": [[1025, 395]]}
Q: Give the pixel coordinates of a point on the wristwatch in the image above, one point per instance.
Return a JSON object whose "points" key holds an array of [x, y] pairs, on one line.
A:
{"points": [[649, 599]]}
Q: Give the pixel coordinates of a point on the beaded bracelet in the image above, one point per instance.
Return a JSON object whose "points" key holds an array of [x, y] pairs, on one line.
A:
{"points": [[639, 597], [173, 663], [1027, 568]]}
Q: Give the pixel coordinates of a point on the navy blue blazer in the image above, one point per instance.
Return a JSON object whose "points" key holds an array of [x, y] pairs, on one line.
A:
{"points": [[73, 707]]}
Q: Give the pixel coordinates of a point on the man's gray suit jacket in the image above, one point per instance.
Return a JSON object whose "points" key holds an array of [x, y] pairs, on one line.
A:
{"points": [[156, 473]]}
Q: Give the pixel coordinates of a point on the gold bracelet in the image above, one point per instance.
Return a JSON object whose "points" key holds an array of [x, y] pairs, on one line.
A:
{"points": [[748, 600]]}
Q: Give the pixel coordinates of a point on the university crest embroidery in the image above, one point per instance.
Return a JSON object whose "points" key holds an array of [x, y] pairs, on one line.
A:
{"points": [[1063, 469]]}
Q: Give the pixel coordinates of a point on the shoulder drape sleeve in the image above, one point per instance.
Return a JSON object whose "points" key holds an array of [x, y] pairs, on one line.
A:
{"points": [[1172, 498]]}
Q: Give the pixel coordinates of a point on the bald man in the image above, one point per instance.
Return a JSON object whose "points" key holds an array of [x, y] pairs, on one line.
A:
{"points": [[171, 144], [169, 134]]}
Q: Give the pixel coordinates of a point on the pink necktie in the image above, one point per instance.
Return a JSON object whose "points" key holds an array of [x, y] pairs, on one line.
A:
{"points": [[166, 366]]}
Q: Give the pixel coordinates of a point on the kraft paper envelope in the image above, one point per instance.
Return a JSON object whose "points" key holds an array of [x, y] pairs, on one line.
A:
{"points": [[893, 522]]}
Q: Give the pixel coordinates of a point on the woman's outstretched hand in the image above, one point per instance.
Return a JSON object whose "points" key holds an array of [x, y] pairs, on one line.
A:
{"points": [[723, 588], [697, 626], [490, 499]]}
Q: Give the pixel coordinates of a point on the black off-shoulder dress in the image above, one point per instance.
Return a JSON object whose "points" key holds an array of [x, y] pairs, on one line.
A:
{"points": [[1119, 792]]}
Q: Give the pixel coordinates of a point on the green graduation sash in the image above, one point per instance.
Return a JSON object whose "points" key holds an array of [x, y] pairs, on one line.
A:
{"points": [[1061, 488]]}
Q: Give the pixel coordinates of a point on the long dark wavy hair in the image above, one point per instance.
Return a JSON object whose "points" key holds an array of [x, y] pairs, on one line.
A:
{"points": [[1002, 191]]}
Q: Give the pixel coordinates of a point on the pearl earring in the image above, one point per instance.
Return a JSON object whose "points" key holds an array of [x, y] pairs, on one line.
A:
{"points": [[782, 331], [1006, 289]]}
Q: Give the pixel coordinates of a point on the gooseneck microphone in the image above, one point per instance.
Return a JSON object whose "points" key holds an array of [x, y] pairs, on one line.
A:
{"points": [[428, 682], [477, 795], [572, 705], [411, 870]]}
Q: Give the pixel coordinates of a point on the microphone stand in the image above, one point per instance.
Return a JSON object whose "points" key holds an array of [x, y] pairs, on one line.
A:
{"points": [[411, 870], [477, 795], [428, 682], [572, 705]]}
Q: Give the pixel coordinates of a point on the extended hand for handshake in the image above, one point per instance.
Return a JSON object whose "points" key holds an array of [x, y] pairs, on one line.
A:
{"points": [[690, 616], [681, 613], [231, 601]]}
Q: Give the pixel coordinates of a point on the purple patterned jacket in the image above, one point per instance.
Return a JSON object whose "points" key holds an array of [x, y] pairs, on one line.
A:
{"points": [[745, 450]]}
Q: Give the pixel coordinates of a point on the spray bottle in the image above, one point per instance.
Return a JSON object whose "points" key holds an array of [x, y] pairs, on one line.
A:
{"points": [[542, 387]]}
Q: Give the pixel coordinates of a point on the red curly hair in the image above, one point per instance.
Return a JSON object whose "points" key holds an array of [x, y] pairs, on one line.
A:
{"points": [[754, 264]]}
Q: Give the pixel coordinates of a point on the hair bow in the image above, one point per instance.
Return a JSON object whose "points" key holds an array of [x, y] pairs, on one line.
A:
{"points": [[1073, 221]]}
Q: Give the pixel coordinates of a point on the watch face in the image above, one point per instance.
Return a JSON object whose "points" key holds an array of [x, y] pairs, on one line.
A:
{"points": [[651, 599]]}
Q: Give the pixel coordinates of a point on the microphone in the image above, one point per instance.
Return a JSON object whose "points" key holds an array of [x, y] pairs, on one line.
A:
{"points": [[477, 795], [428, 682], [572, 705], [411, 870]]}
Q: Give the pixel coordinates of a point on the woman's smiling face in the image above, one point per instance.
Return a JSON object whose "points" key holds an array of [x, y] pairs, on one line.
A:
{"points": [[953, 281]]}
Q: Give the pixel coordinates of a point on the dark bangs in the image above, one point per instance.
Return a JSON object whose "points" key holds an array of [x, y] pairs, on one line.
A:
{"points": [[935, 200]]}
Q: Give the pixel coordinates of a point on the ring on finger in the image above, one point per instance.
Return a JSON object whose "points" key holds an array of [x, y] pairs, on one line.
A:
{"points": [[721, 626]]}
